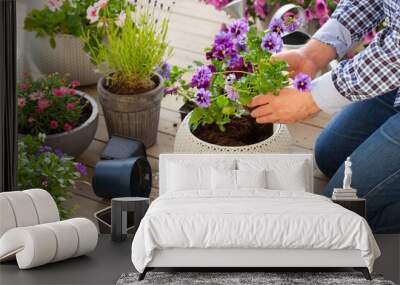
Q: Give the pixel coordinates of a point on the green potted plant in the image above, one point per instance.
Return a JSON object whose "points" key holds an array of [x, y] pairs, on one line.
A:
{"points": [[40, 166], [130, 92], [52, 105], [58, 26], [239, 68]]}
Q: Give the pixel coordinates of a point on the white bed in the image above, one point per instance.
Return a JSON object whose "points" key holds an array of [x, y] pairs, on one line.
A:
{"points": [[205, 226]]}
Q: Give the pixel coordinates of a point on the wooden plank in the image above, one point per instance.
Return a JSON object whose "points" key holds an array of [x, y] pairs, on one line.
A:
{"points": [[304, 135], [84, 207]]}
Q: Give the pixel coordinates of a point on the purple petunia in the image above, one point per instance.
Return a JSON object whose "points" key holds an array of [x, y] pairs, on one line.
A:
{"points": [[302, 82], [203, 98], [81, 169], [202, 77], [272, 42], [239, 29], [164, 70], [277, 26]]}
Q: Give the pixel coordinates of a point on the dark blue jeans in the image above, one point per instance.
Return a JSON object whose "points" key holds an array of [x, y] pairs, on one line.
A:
{"points": [[368, 132]]}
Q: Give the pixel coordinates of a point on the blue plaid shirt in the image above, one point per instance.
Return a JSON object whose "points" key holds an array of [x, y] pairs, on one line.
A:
{"points": [[374, 71]]}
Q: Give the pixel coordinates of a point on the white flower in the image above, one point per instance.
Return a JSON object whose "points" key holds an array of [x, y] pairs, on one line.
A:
{"points": [[132, 2], [101, 4], [92, 14], [121, 19], [55, 5]]}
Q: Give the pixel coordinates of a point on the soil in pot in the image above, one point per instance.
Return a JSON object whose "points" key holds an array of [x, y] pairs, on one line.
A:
{"points": [[240, 132]]}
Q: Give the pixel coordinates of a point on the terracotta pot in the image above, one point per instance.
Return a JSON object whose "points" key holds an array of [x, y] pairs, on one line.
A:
{"points": [[133, 115], [186, 142], [76, 141]]}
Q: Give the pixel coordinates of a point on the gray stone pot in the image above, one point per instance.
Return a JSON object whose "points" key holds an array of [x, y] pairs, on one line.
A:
{"points": [[133, 115], [76, 141]]}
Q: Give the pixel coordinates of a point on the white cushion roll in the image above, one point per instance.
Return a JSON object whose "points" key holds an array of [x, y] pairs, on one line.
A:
{"points": [[7, 218], [45, 205], [87, 235], [23, 208], [67, 240]]}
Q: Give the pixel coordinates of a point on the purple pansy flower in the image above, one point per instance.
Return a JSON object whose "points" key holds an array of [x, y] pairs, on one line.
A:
{"points": [[292, 24], [239, 29], [59, 152], [238, 64], [43, 149], [202, 77], [81, 169], [277, 26], [203, 98], [223, 46], [302, 82], [164, 70], [272, 42]]}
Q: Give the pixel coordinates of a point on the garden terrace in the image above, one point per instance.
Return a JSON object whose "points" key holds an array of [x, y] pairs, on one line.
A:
{"points": [[192, 28]]}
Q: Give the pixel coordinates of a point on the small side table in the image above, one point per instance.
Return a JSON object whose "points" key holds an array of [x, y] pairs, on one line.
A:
{"points": [[119, 209], [357, 206]]}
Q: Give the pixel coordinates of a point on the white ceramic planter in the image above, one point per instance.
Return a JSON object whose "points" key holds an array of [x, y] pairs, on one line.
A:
{"points": [[186, 142], [68, 57]]}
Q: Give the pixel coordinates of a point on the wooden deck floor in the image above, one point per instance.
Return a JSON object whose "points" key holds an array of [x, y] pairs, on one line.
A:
{"points": [[192, 28]]}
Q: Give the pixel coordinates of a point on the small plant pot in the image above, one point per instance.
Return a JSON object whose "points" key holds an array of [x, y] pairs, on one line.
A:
{"points": [[134, 116], [187, 142], [76, 141]]}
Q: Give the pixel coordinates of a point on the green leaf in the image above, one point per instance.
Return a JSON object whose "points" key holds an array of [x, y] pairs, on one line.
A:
{"points": [[222, 101]]}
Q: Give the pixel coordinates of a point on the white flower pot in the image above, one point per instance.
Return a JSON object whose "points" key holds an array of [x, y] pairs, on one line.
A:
{"points": [[186, 142], [68, 57]]}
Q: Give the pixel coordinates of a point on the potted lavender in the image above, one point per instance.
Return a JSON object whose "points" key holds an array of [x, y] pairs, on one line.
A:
{"points": [[240, 67], [131, 90]]}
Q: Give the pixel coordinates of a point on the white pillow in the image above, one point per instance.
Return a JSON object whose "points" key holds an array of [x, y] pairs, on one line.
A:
{"points": [[251, 178], [193, 176], [290, 175], [223, 179]]}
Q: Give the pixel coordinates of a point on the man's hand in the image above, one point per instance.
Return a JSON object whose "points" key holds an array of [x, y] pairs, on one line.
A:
{"points": [[290, 106], [309, 59]]}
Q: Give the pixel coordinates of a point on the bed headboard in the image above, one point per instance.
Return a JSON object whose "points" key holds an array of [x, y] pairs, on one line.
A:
{"points": [[209, 159]]}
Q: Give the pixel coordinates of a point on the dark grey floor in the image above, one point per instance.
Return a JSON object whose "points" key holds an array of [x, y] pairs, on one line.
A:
{"points": [[103, 266]]}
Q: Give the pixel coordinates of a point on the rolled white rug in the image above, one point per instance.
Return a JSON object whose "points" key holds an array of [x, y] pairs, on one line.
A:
{"points": [[40, 244]]}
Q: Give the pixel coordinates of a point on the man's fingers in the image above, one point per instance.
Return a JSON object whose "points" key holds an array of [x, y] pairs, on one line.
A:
{"points": [[260, 100], [272, 118], [263, 110]]}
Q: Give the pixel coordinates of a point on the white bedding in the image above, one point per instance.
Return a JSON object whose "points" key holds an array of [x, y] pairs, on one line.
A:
{"points": [[252, 218]]}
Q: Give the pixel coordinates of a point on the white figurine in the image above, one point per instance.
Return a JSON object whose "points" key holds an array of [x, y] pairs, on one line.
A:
{"points": [[347, 174]]}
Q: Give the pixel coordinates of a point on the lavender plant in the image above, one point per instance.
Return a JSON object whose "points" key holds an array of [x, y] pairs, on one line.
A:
{"points": [[240, 67], [134, 43]]}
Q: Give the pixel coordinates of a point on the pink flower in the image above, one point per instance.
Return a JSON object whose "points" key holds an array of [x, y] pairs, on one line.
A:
{"points": [[70, 92], [301, 2], [321, 9], [309, 15], [23, 86], [21, 101], [70, 106], [58, 92], [259, 8], [53, 124], [54, 5], [218, 4], [101, 4], [323, 20], [350, 54], [35, 96], [369, 37], [75, 83], [92, 14], [67, 127], [43, 104]]}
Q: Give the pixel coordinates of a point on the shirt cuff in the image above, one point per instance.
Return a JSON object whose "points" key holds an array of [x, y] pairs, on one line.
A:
{"points": [[326, 96], [336, 35]]}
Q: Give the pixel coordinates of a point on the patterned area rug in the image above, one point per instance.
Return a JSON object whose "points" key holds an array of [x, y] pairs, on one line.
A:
{"points": [[244, 278]]}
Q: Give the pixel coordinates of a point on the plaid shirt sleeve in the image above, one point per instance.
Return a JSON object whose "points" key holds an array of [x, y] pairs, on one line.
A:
{"points": [[374, 71]]}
